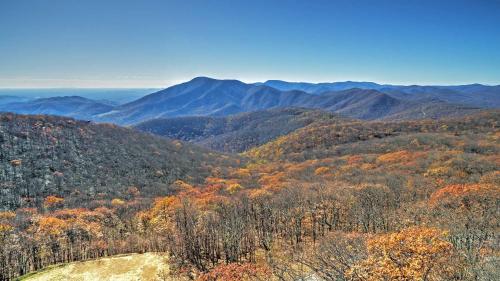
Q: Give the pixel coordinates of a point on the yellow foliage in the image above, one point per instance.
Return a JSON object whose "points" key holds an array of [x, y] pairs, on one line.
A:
{"points": [[234, 187], [241, 173], [117, 202], [321, 171], [437, 172], [259, 193], [367, 166], [5, 228], [51, 201], [7, 215]]}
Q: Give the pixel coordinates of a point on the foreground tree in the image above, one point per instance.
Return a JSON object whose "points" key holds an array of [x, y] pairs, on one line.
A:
{"points": [[417, 253]]}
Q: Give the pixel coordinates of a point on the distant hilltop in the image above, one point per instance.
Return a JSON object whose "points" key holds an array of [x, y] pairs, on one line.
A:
{"points": [[204, 96]]}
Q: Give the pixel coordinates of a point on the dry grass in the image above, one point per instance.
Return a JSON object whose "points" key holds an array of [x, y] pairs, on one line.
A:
{"points": [[127, 267]]}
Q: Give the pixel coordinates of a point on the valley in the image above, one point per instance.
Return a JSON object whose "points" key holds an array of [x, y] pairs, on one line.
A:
{"points": [[293, 193], [226, 140]]}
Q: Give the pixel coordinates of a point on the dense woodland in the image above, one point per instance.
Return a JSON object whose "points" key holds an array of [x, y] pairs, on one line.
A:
{"points": [[350, 200], [46, 155], [236, 133]]}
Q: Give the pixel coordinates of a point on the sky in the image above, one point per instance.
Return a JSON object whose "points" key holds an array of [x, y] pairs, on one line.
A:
{"points": [[154, 44]]}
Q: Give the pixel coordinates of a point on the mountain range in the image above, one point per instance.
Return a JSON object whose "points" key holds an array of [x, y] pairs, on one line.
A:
{"points": [[203, 96], [70, 106]]}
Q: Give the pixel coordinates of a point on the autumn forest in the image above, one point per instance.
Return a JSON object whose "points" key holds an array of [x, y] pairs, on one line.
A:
{"points": [[334, 199]]}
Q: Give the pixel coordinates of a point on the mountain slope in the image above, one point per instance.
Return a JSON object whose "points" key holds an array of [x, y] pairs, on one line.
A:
{"points": [[432, 110], [475, 95], [6, 99], [47, 155], [235, 133], [327, 138], [203, 96], [468, 95], [360, 103], [115, 96], [70, 106], [210, 97]]}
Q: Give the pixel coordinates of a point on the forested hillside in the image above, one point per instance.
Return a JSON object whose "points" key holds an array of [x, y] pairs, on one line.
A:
{"points": [[45, 155], [325, 138], [236, 133], [348, 200], [364, 201]]}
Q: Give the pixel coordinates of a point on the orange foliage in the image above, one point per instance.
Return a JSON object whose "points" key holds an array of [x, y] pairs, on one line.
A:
{"points": [[51, 226], [68, 214], [7, 215], [417, 253], [241, 173], [164, 204], [367, 166], [354, 159], [321, 171], [6, 218], [276, 179], [52, 201], [392, 157], [455, 190]]}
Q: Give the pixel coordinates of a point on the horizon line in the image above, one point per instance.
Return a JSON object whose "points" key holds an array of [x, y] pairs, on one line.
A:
{"points": [[246, 81]]}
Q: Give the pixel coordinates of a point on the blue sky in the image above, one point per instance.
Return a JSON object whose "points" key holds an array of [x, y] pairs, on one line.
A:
{"points": [[144, 43]]}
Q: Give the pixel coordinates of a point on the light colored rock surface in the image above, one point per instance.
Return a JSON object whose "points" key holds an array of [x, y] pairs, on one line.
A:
{"points": [[127, 267]]}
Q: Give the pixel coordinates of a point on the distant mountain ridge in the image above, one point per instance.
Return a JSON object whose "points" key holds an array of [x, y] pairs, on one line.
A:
{"points": [[471, 94], [71, 106], [318, 88], [203, 96]]}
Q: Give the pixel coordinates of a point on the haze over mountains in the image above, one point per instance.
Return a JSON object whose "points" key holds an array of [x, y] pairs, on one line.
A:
{"points": [[107, 95], [203, 96], [71, 106]]}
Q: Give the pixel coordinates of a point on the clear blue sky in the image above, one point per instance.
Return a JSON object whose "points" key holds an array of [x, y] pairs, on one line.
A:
{"points": [[142, 43]]}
